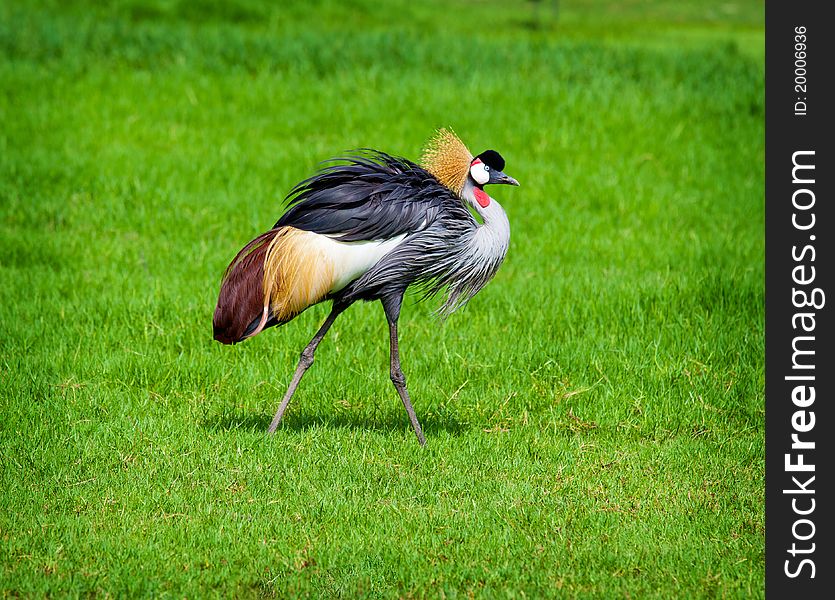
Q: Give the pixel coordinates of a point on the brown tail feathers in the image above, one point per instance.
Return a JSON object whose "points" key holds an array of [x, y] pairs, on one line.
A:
{"points": [[241, 299], [274, 278]]}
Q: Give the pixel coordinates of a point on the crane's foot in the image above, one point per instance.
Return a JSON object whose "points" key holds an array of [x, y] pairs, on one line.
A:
{"points": [[418, 432], [304, 364], [399, 381]]}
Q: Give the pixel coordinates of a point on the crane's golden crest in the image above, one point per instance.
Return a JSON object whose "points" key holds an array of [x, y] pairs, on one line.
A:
{"points": [[448, 159]]}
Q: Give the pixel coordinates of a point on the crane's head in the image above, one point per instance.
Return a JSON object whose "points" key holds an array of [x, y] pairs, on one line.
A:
{"points": [[452, 164], [488, 167]]}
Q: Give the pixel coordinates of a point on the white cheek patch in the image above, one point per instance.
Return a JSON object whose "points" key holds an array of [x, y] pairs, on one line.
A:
{"points": [[479, 173]]}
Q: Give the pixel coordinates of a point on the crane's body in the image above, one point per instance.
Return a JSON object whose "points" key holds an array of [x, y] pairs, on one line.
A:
{"points": [[368, 229]]}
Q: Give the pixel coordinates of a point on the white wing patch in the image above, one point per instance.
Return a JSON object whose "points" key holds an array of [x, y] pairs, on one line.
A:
{"points": [[353, 259]]}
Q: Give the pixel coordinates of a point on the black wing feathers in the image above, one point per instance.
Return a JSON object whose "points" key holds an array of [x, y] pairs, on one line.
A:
{"points": [[369, 196]]}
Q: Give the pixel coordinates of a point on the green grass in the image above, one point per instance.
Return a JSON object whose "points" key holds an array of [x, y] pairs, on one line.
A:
{"points": [[594, 417]]}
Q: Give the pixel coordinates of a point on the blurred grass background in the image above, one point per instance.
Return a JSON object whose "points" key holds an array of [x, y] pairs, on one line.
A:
{"points": [[594, 417]]}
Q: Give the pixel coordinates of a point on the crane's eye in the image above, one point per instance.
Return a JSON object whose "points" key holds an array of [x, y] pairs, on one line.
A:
{"points": [[480, 174]]}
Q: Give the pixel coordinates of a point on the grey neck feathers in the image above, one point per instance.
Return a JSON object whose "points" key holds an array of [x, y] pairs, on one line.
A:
{"points": [[479, 255], [494, 234]]}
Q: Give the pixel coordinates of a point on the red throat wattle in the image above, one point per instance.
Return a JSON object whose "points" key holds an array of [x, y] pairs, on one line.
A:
{"points": [[481, 197]]}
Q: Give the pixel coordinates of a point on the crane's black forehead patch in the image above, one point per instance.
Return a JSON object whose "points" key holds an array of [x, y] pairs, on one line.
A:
{"points": [[492, 159]]}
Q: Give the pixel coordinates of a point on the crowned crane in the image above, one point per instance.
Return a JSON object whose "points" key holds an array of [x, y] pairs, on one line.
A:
{"points": [[368, 227]]}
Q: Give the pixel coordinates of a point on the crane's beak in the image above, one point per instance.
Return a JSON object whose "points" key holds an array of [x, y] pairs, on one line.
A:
{"points": [[500, 177]]}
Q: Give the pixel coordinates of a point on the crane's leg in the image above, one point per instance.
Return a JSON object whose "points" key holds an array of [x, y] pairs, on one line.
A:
{"points": [[304, 363], [392, 308]]}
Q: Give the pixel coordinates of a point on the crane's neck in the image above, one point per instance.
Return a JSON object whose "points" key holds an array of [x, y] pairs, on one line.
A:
{"points": [[490, 211], [470, 260], [492, 238]]}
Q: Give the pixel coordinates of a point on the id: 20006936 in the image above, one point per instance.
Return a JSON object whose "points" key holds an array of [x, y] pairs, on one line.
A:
{"points": [[800, 70]]}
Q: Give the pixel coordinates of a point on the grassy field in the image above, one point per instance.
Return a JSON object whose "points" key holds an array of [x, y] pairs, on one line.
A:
{"points": [[595, 416]]}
